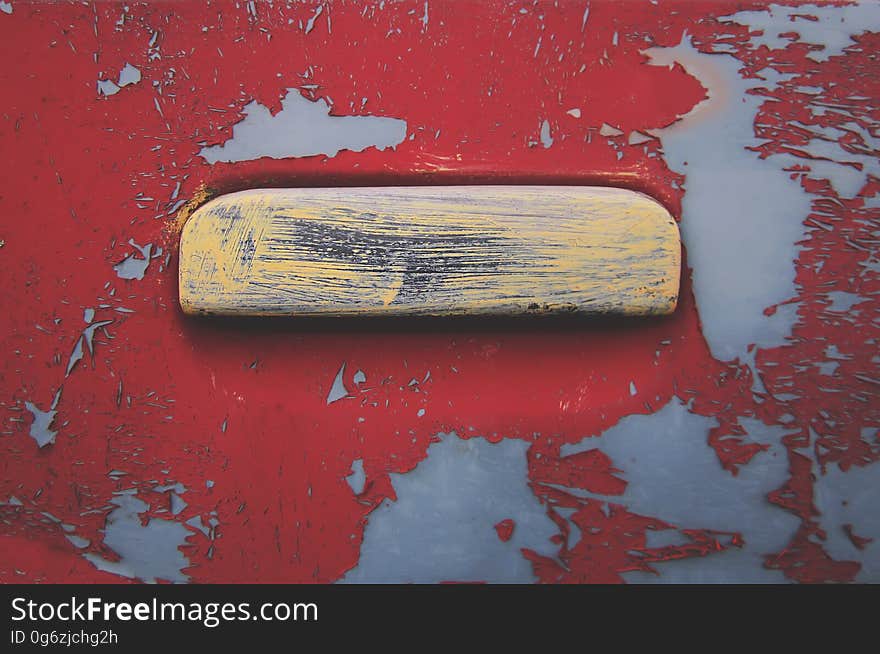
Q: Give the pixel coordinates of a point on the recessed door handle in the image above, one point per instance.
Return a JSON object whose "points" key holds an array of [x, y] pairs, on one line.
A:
{"points": [[441, 250]]}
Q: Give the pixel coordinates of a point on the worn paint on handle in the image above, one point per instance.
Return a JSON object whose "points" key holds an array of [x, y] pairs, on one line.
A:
{"points": [[459, 250]]}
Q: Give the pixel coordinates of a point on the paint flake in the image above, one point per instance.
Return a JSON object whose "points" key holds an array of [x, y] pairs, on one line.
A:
{"points": [[134, 267], [41, 427], [546, 139], [338, 390], [129, 75], [607, 130], [358, 478], [676, 476], [310, 25], [107, 87]]}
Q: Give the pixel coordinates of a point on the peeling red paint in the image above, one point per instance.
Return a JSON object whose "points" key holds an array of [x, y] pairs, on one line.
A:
{"points": [[85, 173], [505, 529], [859, 542]]}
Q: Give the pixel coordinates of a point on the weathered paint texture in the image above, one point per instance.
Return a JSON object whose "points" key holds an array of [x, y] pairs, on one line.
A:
{"points": [[442, 525], [303, 128], [224, 450], [405, 251]]}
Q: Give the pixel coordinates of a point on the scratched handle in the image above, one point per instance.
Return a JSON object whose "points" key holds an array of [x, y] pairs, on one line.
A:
{"points": [[458, 250]]}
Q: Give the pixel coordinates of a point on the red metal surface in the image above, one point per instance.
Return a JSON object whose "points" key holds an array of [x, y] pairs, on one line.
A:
{"points": [[166, 400]]}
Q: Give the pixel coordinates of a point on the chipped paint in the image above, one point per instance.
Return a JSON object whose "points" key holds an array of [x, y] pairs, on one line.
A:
{"points": [[739, 202], [847, 503], [442, 525], [303, 128], [788, 431], [828, 29], [676, 476], [41, 427], [86, 339], [358, 477], [134, 266], [735, 203], [147, 551], [338, 390], [546, 139], [127, 75], [310, 24], [842, 301]]}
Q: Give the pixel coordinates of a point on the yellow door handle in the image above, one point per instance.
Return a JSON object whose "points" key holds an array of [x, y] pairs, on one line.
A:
{"points": [[456, 250]]}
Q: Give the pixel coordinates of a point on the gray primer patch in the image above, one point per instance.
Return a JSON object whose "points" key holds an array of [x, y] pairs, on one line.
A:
{"points": [[842, 301], [441, 528], [178, 504], [338, 389], [637, 138], [310, 25], [303, 129], [546, 139], [40, 429], [148, 552], [607, 130], [133, 267], [674, 475], [742, 216], [358, 477], [107, 87], [851, 498], [832, 31], [75, 356], [88, 333], [574, 531], [129, 75], [197, 523], [87, 337]]}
